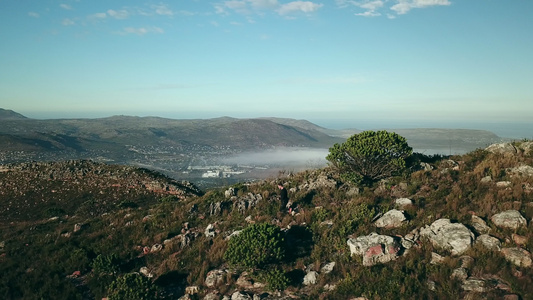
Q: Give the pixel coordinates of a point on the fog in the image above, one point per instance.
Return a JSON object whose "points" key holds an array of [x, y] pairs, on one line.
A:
{"points": [[287, 156]]}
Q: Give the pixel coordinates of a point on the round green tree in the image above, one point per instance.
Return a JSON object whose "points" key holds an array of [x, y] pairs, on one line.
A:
{"points": [[256, 246], [370, 155]]}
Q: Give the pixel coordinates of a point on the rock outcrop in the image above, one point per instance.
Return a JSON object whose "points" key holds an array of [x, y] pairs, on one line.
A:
{"points": [[375, 248], [511, 219], [391, 219], [453, 237]]}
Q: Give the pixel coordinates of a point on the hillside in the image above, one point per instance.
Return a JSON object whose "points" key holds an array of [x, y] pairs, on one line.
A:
{"points": [[460, 228], [10, 115]]}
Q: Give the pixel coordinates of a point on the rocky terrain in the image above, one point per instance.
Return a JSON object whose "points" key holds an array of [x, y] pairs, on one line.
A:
{"points": [[459, 227]]}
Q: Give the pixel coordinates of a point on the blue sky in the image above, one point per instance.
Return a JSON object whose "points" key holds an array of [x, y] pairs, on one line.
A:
{"points": [[350, 62]]}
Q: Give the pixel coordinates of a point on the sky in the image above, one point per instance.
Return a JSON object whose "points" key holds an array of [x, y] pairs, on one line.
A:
{"points": [[336, 63]]}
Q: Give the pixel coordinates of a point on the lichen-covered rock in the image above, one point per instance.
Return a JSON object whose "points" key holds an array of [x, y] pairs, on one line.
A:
{"points": [[215, 277], [310, 278], [375, 248], [489, 242], [521, 171], [479, 225], [511, 219], [391, 219], [475, 285], [502, 148], [240, 296], [403, 202], [453, 237], [517, 256]]}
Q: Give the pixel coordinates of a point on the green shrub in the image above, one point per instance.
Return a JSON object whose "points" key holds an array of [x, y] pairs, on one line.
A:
{"points": [[370, 156], [106, 264], [275, 279], [256, 246], [132, 286]]}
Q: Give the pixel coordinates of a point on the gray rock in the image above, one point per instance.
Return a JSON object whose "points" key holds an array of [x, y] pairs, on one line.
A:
{"points": [[511, 219], [403, 202], [480, 225], [375, 248], [230, 192], [436, 259], [210, 231], [215, 278], [489, 242], [466, 261], [327, 268], [212, 296], [310, 278], [502, 148], [240, 296], [391, 219], [486, 179], [503, 184], [475, 285], [521, 171], [146, 272], [527, 147], [517, 256], [453, 237], [460, 274]]}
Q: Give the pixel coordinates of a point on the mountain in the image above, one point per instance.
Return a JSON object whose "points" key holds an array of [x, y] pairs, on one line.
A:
{"points": [[10, 115]]}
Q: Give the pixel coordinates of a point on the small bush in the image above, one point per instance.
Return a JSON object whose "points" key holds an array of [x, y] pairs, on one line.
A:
{"points": [[106, 264], [275, 279], [132, 286], [256, 246]]}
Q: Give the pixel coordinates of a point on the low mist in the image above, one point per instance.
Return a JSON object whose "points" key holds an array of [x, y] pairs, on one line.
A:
{"points": [[293, 157]]}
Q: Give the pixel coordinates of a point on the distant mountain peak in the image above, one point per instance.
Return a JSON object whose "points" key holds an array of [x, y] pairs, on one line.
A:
{"points": [[6, 114]]}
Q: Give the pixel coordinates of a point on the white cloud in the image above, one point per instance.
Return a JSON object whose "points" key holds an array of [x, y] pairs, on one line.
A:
{"points": [[368, 14], [163, 10], [400, 7], [404, 6], [65, 6], [299, 6], [248, 7], [67, 22], [142, 30], [120, 14], [33, 14], [264, 4], [98, 16]]}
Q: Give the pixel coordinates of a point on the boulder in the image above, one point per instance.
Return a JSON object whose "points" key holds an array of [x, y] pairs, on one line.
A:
{"points": [[520, 240], [527, 147], [212, 296], [517, 256], [210, 231], [502, 148], [479, 225], [310, 278], [521, 171], [436, 259], [503, 184], [453, 237], [460, 274], [327, 268], [511, 219], [403, 202], [375, 248], [146, 272], [230, 192], [192, 290], [475, 285], [240, 296], [156, 248], [391, 219], [489, 242], [486, 179], [215, 278]]}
